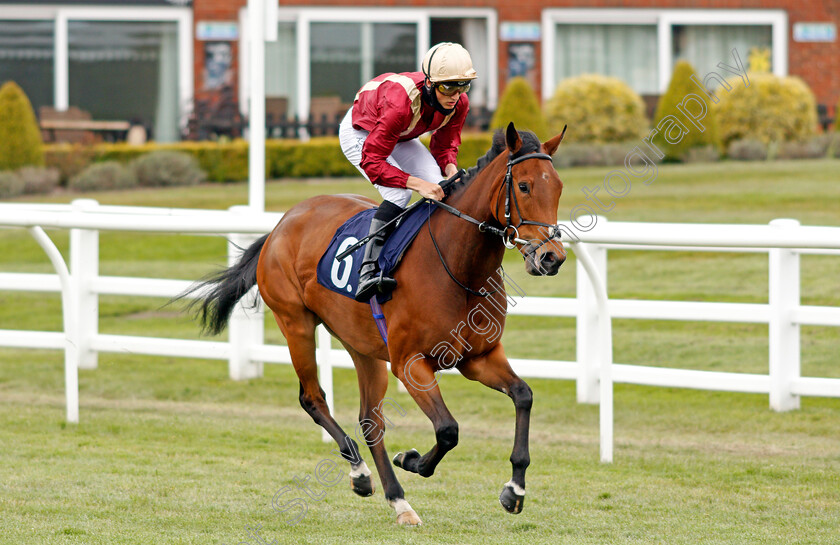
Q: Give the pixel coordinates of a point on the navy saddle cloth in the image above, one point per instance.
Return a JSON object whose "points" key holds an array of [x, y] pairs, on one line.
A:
{"points": [[343, 276]]}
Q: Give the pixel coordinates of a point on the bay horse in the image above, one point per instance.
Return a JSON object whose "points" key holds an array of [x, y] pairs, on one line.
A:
{"points": [[508, 199]]}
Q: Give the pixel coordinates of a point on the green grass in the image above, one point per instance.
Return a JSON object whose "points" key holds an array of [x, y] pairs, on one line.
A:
{"points": [[171, 451]]}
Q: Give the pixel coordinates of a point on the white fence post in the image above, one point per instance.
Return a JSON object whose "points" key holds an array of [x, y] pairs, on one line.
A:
{"points": [[68, 302], [246, 328], [325, 372], [604, 353], [84, 268], [784, 333], [588, 324]]}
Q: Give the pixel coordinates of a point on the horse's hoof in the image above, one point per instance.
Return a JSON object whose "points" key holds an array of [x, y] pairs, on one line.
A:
{"points": [[362, 485], [511, 501], [408, 461], [409, 518]]}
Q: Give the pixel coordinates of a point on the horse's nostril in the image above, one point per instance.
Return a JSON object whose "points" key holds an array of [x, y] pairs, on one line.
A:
{"points": [[551, 261]]}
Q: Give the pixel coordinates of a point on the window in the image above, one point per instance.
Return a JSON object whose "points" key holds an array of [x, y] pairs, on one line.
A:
{"points": [[328, 53], [704, 46], [117, 62], [343, 56], [471, 32], [26, 57], [627, 52], [281, 66], [126, 70], [641, 46]]}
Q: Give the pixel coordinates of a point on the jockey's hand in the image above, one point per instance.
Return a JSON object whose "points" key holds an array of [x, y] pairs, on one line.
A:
{"points": [[426, 189]]}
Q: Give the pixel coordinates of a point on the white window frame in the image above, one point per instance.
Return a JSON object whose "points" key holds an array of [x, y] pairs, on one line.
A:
{"points": [[61, 14], [419, 16], [664, 20]]}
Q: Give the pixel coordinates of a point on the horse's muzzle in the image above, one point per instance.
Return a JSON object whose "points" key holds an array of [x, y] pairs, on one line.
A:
{"points": [[545, 264]]}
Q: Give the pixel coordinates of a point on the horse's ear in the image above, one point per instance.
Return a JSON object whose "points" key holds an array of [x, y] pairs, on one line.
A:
{"points": [[514, 143], [552, 145]]}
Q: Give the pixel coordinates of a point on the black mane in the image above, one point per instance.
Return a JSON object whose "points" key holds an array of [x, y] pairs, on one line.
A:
{"points": [[530, 144]]}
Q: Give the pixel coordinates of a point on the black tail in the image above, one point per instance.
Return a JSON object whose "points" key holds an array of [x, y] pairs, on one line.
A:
{"points": [[224, 289]]}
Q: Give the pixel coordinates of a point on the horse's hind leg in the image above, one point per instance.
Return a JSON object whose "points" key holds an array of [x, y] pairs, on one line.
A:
{"points": [[373, 383], [300, 336]]}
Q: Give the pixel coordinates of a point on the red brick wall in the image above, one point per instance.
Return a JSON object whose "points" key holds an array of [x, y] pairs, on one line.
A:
{"points": [[816, 63]]}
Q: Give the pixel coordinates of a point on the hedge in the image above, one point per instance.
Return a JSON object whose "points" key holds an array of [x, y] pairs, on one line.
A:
{"points": [[228, 161]]}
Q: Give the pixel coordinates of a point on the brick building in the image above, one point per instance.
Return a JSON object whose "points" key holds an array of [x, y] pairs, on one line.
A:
{"points": [[150, 59]]}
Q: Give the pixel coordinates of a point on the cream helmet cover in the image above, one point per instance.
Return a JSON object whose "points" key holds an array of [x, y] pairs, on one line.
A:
{"points": [[448, 61]]}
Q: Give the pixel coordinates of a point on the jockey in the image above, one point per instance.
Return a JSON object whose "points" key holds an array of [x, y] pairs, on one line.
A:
{"points": [[379, 136]]}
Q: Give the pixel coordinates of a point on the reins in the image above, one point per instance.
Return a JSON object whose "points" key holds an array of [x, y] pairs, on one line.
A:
{"points": [[509, 233]]}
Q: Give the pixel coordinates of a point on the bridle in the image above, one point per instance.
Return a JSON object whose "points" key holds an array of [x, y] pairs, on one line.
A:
{"points": [[510, 239], [510, 232]]}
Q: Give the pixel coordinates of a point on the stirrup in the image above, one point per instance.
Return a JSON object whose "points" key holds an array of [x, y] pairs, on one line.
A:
{"points": [[377, 283], [385, 284], [368, 286]]}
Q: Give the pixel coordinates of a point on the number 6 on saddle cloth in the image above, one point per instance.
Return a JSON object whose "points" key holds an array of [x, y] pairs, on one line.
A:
{"points": [[343, 276]]}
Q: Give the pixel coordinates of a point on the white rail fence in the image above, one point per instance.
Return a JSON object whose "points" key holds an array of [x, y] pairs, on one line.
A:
{"points": [[594, 371]]}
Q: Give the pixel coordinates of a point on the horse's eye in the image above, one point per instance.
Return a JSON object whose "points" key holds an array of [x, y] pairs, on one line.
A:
{"points": [[523, 187]]}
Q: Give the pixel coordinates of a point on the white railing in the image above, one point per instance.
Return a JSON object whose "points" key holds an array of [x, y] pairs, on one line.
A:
{"points": [[594, 370]]}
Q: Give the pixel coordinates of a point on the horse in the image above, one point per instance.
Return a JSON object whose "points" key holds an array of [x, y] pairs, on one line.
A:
{"points": [[507, 200]]}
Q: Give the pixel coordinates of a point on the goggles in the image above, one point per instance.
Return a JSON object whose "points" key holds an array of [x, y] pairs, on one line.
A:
{"points": [[449, 88]]}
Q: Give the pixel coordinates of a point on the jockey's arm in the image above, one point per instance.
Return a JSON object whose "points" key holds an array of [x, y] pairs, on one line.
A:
{"points": [[426, 189]]}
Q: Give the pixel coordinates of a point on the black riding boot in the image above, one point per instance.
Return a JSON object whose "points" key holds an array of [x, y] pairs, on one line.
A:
{"points": [[371, 279]]}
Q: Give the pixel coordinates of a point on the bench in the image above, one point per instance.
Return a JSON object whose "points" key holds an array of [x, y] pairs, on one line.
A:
{"points": [[76, 126], [111, 130]]}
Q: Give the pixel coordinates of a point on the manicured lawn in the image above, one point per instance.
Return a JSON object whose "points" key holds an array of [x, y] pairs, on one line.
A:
{"points": [[171, 451]]}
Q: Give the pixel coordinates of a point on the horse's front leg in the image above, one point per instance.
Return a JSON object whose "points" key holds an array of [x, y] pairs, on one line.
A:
{"points": [[493, 370], [418, 375]]}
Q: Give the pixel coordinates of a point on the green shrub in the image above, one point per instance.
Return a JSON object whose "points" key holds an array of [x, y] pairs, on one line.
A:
{"points": [[701, 154], [473, 146], [68, 159], [228, 161], [11, 184], [673, 104], [837, 117], [815, 147], [222, 161], [833, 147], [747, 150], [20, 137], [319, 157], [167, 168], [771, 109], [591, 155], [39, 180], [596, 109], [519, 104], [103, 176]]}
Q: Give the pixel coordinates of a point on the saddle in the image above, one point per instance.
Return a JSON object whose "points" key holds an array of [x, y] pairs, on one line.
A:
{"points": [[343, 276]]}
